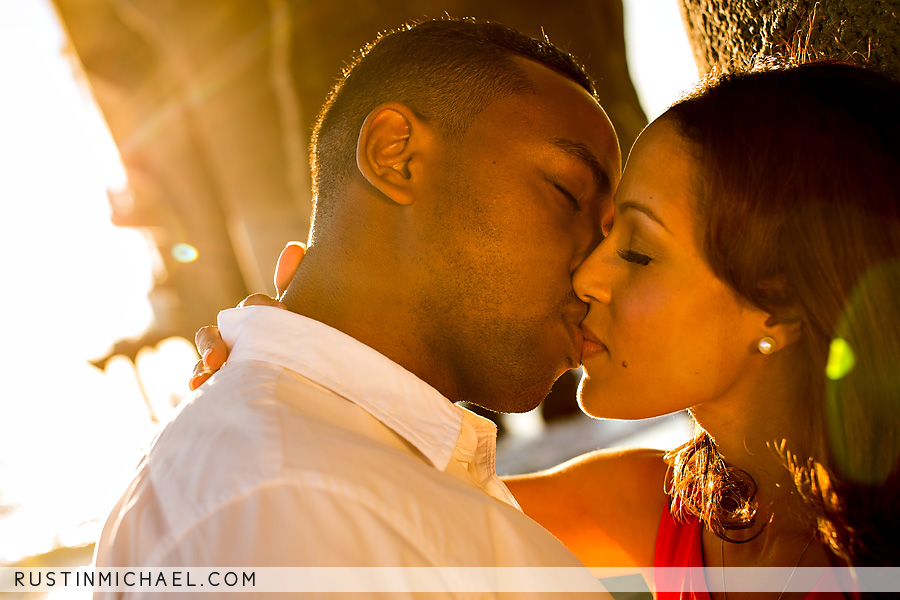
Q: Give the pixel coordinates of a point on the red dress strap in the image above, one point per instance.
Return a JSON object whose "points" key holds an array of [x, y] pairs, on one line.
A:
{"points": [[679, 549]]}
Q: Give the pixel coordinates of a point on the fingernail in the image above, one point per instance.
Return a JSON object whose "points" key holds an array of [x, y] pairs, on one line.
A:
{"points": [[206, 354]]}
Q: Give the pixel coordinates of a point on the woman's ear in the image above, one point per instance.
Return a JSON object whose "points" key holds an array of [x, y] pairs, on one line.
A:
{"points": [[777, 333], [391, 145], [783, 331], [786, 327]]}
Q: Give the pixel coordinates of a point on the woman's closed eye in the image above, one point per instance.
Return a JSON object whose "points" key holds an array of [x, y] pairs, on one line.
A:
{"points": [[634, 257]]}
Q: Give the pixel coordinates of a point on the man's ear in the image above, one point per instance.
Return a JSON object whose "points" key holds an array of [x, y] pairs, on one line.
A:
{"points": [[390, 149]]}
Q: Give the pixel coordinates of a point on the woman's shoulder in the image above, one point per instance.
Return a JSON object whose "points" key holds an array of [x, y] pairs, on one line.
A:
{"points": [[605, 505], [639, 462], [632, 481], [632, 473]]}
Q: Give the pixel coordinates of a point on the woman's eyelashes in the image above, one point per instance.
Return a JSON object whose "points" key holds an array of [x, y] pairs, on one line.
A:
{"points": [[634, 257]]}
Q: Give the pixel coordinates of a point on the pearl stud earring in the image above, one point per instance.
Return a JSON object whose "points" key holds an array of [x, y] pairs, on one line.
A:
{"points": [[766, 345]]}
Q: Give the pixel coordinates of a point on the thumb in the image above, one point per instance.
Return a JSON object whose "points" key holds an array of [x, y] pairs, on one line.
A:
{"points": [[288, 262]]}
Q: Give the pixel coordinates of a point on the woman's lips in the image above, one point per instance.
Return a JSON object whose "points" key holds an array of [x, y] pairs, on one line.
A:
{"points": [[591, 346]]}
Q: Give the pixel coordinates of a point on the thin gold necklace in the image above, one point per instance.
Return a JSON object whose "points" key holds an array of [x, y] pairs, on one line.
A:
{"points": [[786, 583]]}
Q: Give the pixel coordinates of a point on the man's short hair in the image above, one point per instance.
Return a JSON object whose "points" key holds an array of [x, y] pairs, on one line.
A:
{"points": [[446, 70]]}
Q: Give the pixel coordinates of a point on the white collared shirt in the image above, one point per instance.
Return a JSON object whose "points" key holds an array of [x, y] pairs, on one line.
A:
{"points": [[309, 448]]}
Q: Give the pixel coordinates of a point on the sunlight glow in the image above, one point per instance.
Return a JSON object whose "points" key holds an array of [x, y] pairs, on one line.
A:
{"points": [[70, 435], [660, 59], [841, 359]]}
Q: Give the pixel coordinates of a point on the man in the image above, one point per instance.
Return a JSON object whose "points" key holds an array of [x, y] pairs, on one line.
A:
{"points": [[461, 171]]}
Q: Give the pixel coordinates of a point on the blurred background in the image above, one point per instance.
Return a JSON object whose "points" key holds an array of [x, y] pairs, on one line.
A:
{"points": [[153, 162]]}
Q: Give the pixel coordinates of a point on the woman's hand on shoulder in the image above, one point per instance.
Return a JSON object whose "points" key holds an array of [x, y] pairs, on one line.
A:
{"points": [[210, 345]]}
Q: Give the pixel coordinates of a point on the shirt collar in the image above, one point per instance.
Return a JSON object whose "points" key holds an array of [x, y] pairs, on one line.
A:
{"points": [[396, 397]]}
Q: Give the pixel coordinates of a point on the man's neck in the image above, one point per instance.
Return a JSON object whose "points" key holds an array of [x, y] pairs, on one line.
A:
{"points": [[369, 304]]}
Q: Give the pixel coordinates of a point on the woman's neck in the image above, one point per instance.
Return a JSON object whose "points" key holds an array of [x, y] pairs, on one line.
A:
{"points": [[756, 426]]}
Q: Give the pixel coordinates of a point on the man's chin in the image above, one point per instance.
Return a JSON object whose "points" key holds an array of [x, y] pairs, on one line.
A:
{"points": [[511, 398]]}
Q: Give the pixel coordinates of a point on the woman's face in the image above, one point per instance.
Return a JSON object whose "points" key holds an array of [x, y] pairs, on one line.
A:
{"points": [[663, 332]]}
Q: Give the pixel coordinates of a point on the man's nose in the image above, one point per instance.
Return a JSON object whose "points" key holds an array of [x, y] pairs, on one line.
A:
{"points": [[587, 241]]}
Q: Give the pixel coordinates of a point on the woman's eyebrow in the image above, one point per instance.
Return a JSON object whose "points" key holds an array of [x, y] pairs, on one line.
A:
{"points": [[632, 205]]}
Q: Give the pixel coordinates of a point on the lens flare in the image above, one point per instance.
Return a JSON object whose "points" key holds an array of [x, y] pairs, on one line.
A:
{"points": [[840, 359], [184, 253]]}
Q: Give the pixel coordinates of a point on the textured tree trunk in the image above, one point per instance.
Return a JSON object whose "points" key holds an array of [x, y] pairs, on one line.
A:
{"points": [[724, 33]]}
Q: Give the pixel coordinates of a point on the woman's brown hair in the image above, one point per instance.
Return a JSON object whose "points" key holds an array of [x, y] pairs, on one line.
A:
{"points": [[798, 202]]}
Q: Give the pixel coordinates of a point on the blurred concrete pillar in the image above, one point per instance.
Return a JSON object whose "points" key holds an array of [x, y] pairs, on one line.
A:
{"points": [[231, 65], [195, 97]]}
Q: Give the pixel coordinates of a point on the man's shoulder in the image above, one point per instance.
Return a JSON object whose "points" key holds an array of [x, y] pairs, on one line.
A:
{"points": [[258, 425], [254, 422], [295, 466]]}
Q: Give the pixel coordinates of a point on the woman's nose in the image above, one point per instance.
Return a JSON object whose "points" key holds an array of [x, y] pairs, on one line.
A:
{"points": [[591, 279]]}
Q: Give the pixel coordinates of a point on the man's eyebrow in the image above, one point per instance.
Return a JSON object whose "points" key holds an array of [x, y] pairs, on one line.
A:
{"points": [[583, 154], [631, 205]]}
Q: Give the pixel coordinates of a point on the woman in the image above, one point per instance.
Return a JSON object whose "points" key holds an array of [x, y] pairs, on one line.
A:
{"points": [[748, 216]]}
